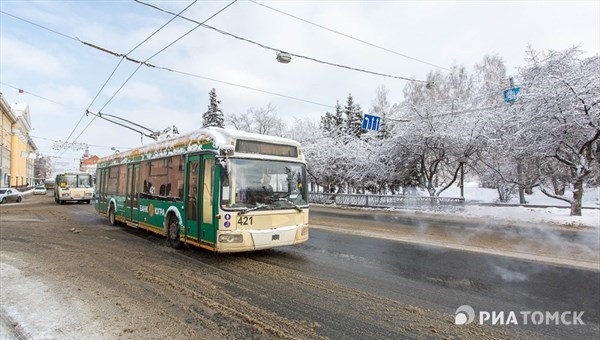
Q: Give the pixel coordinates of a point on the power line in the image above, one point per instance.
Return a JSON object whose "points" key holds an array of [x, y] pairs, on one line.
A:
{"points": [[96, 146], [108, 51], [117, 54], [123, 57], [35, 95], [280, 50], [158, 67], [87, 112], [160, 51], [348, 36], [194, 75], [154, 55], [243, 86], [40, 26]]}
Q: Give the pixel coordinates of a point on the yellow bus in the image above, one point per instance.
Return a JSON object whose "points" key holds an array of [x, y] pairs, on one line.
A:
{"points": [[73, 186], [219, 189]]}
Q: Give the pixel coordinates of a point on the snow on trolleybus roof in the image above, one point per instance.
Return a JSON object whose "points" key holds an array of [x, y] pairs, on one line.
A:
{"points": [[213, 139], [71, 172]]}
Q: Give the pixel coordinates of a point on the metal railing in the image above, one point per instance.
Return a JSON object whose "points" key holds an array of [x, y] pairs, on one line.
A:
{"points": [[384, 201]]}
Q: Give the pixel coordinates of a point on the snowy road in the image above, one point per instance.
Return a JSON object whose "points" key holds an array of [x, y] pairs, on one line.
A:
{"points": [[107, 282]]}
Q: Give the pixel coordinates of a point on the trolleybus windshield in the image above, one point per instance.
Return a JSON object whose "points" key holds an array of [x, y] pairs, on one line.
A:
{"points": [[264, 184]]}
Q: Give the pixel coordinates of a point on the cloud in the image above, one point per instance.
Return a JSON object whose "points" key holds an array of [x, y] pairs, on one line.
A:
{"points": [[20, 57]]}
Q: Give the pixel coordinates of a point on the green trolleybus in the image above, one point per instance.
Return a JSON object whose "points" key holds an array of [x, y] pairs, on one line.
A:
{"points": [[219, 189], [73, 186]]}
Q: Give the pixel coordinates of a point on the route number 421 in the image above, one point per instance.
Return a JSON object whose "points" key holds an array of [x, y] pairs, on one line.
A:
{"points": [[244, 220]]}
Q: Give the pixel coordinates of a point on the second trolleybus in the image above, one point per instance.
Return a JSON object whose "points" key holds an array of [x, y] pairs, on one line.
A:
{"points": [[220, 189]]}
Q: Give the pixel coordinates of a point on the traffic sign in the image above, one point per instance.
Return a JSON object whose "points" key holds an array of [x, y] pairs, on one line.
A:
{"points": [[511, 95], [371, 122]]}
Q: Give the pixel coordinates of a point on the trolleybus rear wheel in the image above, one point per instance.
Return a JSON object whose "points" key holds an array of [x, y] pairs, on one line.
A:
{"points": [[111, 216], [173, 232]]}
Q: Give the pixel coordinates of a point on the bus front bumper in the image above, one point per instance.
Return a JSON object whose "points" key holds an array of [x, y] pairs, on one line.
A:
{"points": [[256, 239], [68, 197]]}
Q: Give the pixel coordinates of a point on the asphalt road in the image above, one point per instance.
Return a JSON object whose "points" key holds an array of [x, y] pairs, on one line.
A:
{"points": [[122, 282]]}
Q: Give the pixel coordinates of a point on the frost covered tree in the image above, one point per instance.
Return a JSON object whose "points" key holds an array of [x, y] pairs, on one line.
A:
{"points": [[327, 160], [381, 107], [437, 135], [559, 120], [338, 118], [259, 120], [326, 123], [497, 163], [214, 115], [353, 117]]}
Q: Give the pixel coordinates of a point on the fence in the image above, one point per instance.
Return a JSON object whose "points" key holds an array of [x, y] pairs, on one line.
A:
{"points": [[385, 201]]}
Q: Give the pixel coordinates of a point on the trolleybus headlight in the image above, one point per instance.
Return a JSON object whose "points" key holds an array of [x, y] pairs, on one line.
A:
{"points": [[66, 194], [231, 238]]}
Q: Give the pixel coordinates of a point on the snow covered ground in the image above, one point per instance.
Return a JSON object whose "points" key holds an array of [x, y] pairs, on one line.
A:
{"points": [[474, 194]]}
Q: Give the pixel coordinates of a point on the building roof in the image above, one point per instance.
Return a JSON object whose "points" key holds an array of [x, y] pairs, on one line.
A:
{"points": [[21, 112], [6, 109], [92, 160]]}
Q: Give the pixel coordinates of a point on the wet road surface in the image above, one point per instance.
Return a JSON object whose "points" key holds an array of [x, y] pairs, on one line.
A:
{"points": [[132, 285]]}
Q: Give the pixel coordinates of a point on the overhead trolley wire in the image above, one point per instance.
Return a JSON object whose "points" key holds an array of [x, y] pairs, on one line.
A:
{"points": [[100, 115], [142, 63], [243, 86], [94, 145], [123, 57], [281, 50], [160, 51], [40, 26], [348, 36], [70, 107], [117, 54], [33, 94]]}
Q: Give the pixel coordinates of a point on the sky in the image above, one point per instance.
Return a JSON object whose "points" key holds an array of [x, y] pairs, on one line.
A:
{"points": [[61, 77]]}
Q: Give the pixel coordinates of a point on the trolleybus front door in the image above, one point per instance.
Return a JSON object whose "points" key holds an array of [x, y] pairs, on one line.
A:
{"points": [[192, 196], [200, 200], [208, 197], [132, 192]]}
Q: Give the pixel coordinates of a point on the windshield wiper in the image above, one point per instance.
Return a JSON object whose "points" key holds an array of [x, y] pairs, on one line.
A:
{"points": [[290, 202], [258, 206]]}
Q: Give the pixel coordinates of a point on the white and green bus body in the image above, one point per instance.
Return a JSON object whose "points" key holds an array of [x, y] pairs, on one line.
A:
{"points": [[204, 189]]}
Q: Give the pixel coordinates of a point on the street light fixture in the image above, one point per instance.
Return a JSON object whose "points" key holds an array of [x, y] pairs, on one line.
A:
{"points": [[283, 57]]}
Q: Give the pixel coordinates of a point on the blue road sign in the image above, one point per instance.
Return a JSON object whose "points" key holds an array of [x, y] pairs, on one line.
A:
{"points": [[371, 122], [511, 95]]}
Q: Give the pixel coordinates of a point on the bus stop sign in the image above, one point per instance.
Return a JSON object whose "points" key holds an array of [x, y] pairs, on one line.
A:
{"points": [[371, 122]]}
